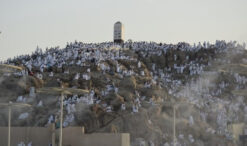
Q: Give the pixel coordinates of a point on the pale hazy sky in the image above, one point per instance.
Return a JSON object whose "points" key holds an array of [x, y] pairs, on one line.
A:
{"points": [[26, 24]]}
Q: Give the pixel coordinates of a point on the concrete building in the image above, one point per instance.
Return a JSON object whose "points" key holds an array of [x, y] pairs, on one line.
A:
{"points": [[118, 35], [72, 136]]}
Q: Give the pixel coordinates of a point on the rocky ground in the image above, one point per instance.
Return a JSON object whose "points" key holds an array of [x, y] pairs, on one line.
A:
{"points": [[134, 89]]}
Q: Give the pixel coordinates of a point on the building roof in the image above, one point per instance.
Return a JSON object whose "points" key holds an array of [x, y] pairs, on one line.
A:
{"points": [[118, 22]]}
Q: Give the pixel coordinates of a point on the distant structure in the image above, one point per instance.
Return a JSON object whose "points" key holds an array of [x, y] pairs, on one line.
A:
{"points": [[118, 36]]}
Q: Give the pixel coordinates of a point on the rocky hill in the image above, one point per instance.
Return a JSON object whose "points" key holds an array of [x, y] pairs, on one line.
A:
{"points": [[135, 88]]}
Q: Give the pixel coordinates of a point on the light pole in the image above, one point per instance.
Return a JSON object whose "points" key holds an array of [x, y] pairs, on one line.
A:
{"points": [[10, 105], [174, 106], [174, 126], [9, 123], [11, 67], [3, 69], [61, 121], [6, 68], [61, 91]]}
